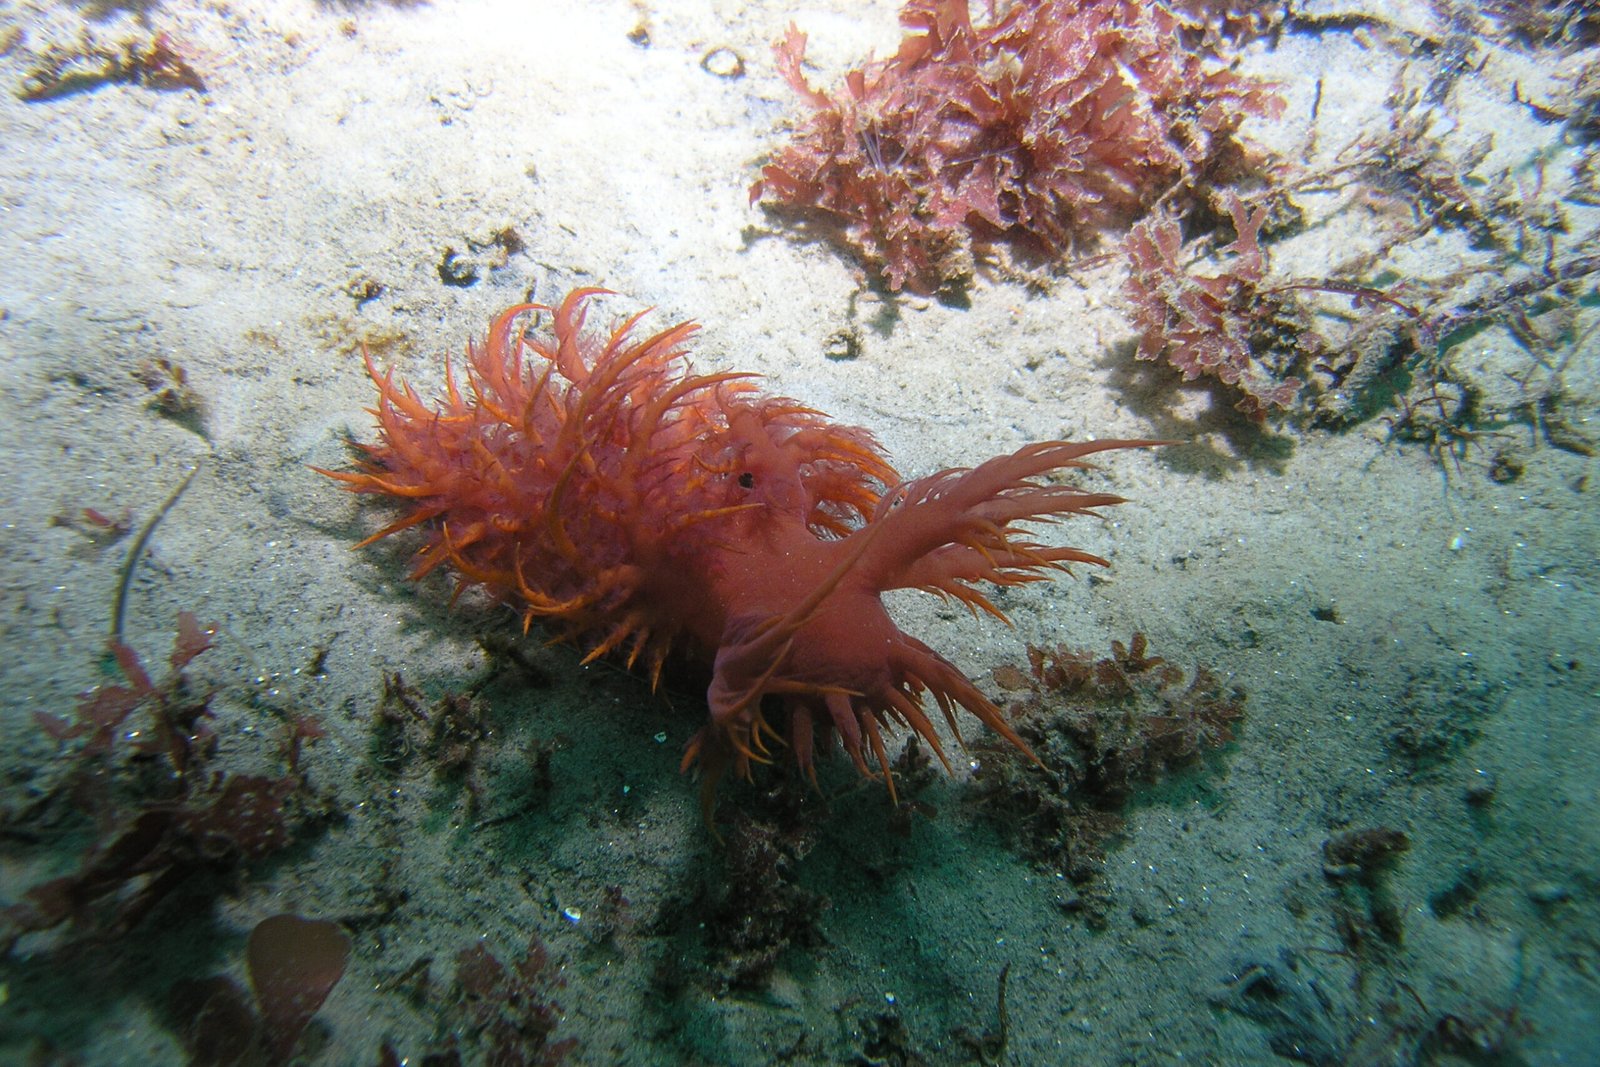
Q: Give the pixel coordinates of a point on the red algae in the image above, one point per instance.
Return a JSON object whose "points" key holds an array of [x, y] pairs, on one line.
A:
{"points": [[1230, 325], [1042, 125], [636, 508]]}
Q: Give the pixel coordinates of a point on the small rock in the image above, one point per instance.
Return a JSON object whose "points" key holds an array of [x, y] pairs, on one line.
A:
{"points": [[1548, 893], [842, 344], [1480, 789]]}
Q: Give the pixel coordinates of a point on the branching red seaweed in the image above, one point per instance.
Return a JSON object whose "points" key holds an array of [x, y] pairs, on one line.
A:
{"points": [[165, 820], [1102, 727], [1230, 325], [1043, 125]]}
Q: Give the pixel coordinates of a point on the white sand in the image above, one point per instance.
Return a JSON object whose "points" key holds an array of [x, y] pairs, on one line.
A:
{"points": [[341, 144]]}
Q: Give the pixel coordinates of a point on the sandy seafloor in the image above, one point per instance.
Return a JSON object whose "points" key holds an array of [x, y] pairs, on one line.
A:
{"points": [[1355, 586]]}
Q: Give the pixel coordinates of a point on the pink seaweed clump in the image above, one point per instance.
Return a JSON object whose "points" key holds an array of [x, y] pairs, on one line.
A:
{"points": [[1227, 325], [1040, 126]]}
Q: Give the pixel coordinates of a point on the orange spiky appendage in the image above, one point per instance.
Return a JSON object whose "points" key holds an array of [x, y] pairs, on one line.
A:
{"points": [[634, 507]]}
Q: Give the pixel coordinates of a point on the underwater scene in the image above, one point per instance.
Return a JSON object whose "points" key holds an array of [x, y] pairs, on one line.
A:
{"points": [[867, 532]]}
